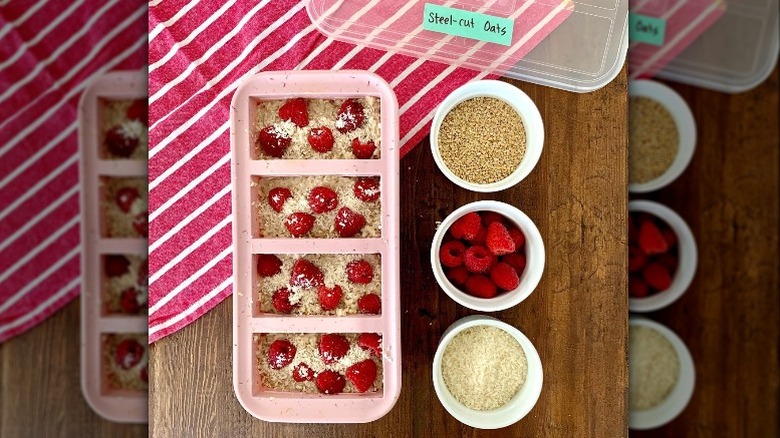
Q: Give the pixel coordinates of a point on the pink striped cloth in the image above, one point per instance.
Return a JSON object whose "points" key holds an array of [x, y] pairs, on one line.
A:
{"points": [[198, 54], [685, 21], [49, 51]]}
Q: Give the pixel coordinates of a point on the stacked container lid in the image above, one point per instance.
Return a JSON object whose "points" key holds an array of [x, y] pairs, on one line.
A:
{"points": [[576, 45]]}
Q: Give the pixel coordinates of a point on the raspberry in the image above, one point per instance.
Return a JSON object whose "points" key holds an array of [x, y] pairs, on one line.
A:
{"points": [[268, 265], [273, 142], [361, 150], [669, 261], [128, 353], [370, 304], [280, 354], [360, 272], [637, 288], [517, 237], [295, 110], [141, 224], [669, 236], [348, 223], [478, 259], [367, 189], [277, 197], [451, 253], [281, 301], [515, 260], [144, 374], [116, 265], [332, 348], [120, 143], [302, 373], [139, 111], [480, 286], [330, 382], [329, 297], [305, 275], [498, 241], [457, 276], [128, 301], [125, 197], [323, 199], [362, 374], [350, 116], [143, 273], [321, 139], [466, 227], [657, 276], [299, 223], [505, 276], [650, 239], [480, 238], [371, 342], [636, 259], [488, 217]]}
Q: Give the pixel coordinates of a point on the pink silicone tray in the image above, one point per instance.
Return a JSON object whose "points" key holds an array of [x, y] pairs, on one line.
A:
{"points": [[295, 407], [115, 405]]}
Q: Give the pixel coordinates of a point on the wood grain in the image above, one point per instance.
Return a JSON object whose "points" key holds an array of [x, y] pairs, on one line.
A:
{"points": [[577, 318], [730, 316], [40, 389]]}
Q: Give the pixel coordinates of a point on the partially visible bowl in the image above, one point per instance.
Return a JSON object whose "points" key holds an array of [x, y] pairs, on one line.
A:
{"points": [[686, 268], [534, 253], [517, 407]]}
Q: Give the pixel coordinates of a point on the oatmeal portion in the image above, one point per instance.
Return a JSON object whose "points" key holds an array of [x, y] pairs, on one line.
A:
{"points": [[126, 284], [318, 206], [123, 129], [326, 363], [125, 207], [125, 361], [323, 284], [318, 128]]}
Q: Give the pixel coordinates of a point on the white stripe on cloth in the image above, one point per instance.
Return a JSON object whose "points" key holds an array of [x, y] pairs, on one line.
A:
{"points": [[41, 308], [194, 308]]}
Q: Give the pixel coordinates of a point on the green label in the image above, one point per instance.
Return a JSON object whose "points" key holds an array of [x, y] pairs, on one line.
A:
{"points": [[644, 29], [467, 24]]}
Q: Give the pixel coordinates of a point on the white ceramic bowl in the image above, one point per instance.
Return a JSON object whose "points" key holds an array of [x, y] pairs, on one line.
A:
{"points": [[534, 254], [681, 394], [518, 407], [525, 107], [686, 127], [687, 256]]}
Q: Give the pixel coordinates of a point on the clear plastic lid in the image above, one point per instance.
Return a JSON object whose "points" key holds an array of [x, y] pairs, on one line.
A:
{"points": [[735, 53], [576, 45]]}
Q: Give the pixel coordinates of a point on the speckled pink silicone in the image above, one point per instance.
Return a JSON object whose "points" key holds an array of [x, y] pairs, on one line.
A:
{"points": [[119, 406], [294, 407]]}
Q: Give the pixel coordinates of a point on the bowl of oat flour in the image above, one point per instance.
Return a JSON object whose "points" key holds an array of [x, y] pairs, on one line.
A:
{"points": [[486, 373], [661, 374]]}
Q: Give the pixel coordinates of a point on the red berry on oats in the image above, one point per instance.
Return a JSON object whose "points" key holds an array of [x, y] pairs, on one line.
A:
{"points": [[302, 373], [280, 354], [273, 142], [517, 237], [636, 259], [321, 139], [637, 288], [488, 217], [296, 111], [323, 199], [142, 279], [144, 374], [332, 348], [128, 353], [116, 265], [371, 342], [128, 301], [367, 189], [650, 239], [299, 223], [329, 297], [481, 286], [515, 260], [350, 116], [498, 241], [120, 142], [505, 276], [139, 111], [348, 223], [141, 224], [657, 276], [330, 382], [466, 227], [362, 150], [451, 253], [370, 304], [305, 275], [360, 272], [125, 197], [362, 374], [277, 197], [281, 301], [458, 276], [268, 265], [478, 259]]}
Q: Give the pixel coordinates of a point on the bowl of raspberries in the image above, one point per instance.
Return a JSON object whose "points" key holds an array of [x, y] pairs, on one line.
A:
{"points": [[487, 256], [661, 256]]}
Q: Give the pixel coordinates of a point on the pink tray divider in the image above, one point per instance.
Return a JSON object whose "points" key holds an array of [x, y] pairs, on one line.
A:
{"points": [[114, 405], [272, 405]]}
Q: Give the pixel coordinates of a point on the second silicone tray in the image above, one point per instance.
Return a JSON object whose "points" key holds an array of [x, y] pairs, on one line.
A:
{"points": [[296, 407]]}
